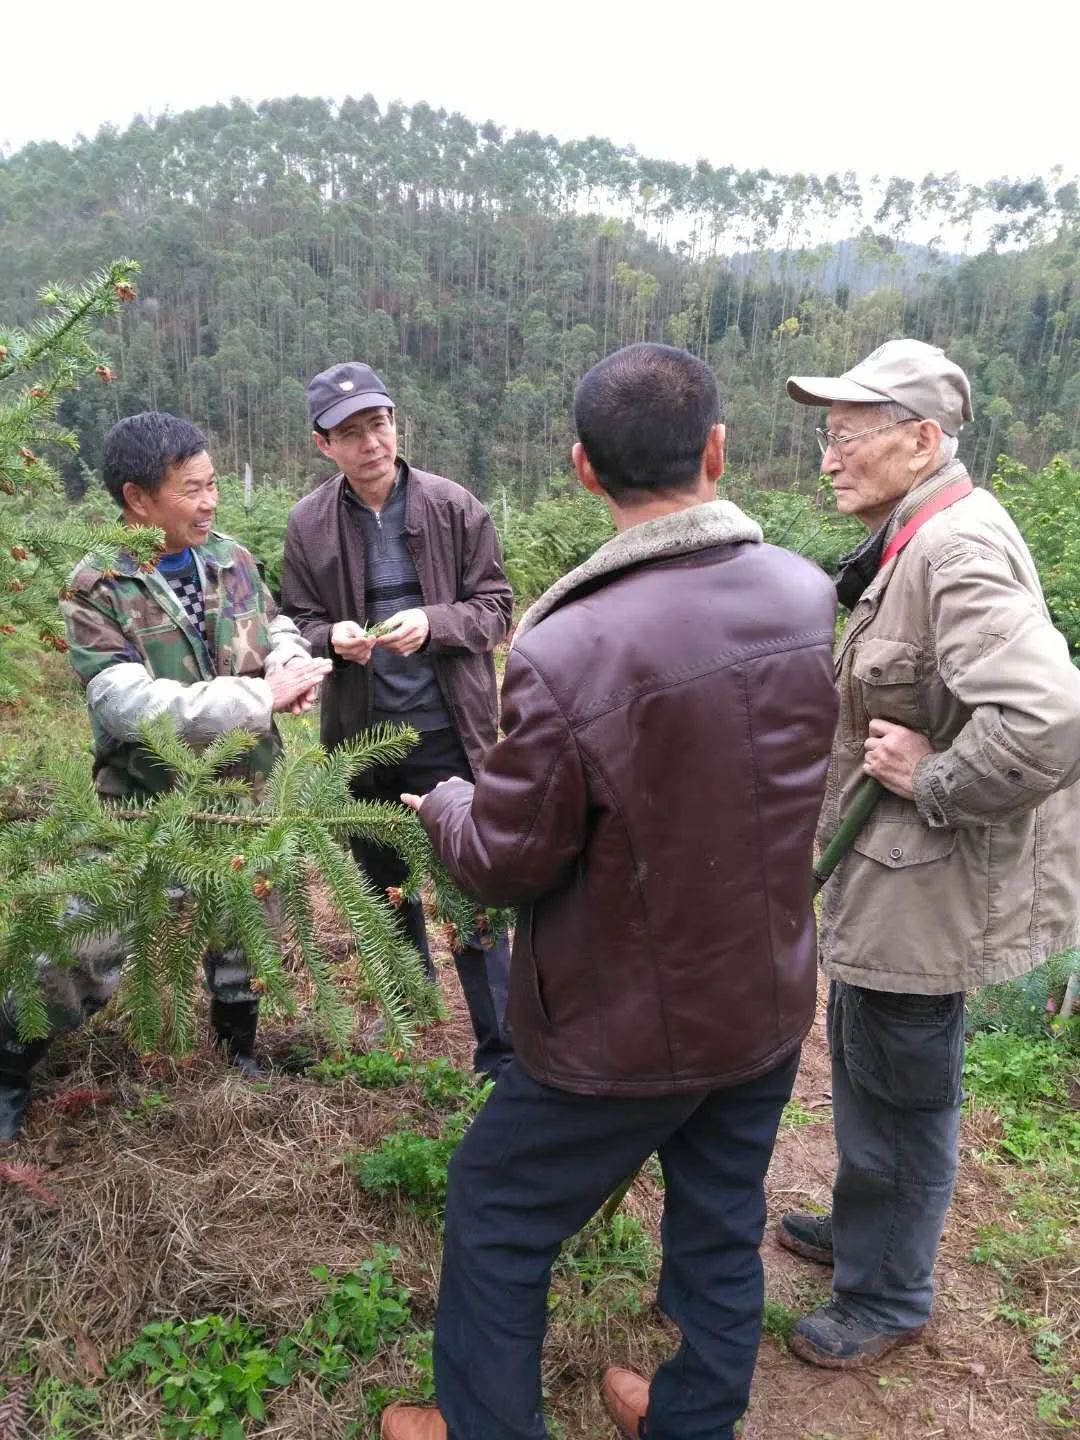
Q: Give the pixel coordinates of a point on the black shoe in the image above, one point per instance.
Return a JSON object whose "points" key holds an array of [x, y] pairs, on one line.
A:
{"points": [[234, 1023], [836, 1339], [17, 1059], [807, 1235]]}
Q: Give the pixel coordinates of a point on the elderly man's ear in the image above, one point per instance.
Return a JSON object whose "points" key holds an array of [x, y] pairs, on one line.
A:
{"points": [[928, 435]]}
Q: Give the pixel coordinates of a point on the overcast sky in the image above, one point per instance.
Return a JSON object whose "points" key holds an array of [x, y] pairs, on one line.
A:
{"points": [[982, 88]]}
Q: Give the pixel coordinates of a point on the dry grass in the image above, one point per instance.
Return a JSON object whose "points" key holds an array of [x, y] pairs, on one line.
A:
{"points": [[223, 1197]]}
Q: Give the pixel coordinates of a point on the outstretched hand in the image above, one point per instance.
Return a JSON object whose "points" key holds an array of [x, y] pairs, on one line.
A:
{"points": [[295, 687], [413, 802]]}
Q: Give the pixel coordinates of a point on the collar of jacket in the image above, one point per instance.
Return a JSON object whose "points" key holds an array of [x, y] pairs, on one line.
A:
{"points": [[413, 499], [681, 532], [925, 490], [350, 497], [216, 554], [914, 500]]}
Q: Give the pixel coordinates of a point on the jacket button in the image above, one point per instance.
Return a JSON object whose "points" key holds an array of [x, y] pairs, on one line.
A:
{"points": [[896, 853], [1015, 774], [875, 670]]}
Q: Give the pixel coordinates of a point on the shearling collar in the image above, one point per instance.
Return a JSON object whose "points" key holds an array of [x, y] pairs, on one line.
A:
{"points": [[701, 527]]}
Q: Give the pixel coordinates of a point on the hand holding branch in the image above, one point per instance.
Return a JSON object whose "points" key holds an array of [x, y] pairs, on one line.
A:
{"points": [[892, 754]]}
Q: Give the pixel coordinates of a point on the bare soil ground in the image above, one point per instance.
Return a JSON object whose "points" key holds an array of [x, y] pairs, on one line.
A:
{"points": [[188, 1191]]}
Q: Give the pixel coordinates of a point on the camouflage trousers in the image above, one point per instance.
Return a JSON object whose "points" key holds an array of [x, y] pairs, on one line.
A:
{"points": [[74, 993]]}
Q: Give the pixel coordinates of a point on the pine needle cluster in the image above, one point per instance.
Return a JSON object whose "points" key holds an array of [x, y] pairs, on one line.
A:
{"points": [[38, 366], [208, 864]]}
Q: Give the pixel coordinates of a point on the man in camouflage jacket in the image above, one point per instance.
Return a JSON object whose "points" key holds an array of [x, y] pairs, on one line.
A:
{"points": [[196, 637]]}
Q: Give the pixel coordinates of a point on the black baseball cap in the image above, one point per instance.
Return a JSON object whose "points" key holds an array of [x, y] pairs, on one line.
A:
{"points": [[339, 392]]}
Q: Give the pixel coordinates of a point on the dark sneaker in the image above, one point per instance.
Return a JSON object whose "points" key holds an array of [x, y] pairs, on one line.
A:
{"points": [[835, 1339], [807, 1235], [249, 1067]]}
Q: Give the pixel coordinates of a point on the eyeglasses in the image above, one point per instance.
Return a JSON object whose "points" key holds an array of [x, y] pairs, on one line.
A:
{"points": [[825, 438]]}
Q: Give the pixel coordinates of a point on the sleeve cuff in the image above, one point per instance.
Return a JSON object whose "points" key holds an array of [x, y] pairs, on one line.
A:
{"points": [[928, 801]]}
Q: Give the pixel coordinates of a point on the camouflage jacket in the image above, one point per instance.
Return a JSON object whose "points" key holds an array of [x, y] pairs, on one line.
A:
{"points": [[138, 654]]}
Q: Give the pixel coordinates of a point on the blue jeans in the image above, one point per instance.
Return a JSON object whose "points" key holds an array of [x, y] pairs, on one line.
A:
{"points": [[534, 1167], [897, 1072]]}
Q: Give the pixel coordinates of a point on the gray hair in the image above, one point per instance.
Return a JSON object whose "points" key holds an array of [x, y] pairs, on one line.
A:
{"points": [[891, 410]]}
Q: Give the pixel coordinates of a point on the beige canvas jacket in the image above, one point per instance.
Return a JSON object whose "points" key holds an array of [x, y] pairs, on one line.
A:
{"points": [[978, 879]]}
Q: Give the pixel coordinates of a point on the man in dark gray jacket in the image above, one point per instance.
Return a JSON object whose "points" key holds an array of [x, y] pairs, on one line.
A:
{"points": [[384, 544]]}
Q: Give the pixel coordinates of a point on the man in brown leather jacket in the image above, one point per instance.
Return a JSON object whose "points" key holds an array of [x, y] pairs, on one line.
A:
{"points": [[383, 543], [667, 710]]}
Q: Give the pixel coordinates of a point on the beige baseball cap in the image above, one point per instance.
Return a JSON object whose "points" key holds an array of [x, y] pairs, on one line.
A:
{"points": [[913, 374]]}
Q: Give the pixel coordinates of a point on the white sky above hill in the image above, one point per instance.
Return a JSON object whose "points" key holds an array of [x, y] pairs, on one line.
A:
{"points": [[976, 86]]}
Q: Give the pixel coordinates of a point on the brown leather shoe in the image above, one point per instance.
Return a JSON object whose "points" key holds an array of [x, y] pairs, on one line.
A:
{"points": [[411, 1422], [626, 1399]]}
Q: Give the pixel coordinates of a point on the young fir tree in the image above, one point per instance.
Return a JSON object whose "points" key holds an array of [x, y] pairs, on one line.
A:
{"points": [[195, 867], [38, 366]]}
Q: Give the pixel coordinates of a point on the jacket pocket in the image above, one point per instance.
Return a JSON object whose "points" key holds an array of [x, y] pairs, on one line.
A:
{"points": [[899, 844], [884, 681], [247, 646], [525, 976]]}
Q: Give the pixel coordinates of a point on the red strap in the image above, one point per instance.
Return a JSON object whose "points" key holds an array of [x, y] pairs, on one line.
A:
{"points": [[941, 501]]}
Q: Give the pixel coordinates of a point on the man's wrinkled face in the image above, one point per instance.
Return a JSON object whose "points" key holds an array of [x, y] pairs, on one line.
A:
{"points": [[183, 505], [364, 446], [871, 473]]}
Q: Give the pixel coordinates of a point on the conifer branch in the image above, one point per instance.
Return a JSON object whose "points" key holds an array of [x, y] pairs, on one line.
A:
{"points": [[165, 881]]}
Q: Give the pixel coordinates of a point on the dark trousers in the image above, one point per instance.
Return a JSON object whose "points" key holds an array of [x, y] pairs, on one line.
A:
{"points": [[533, 1168], [484, 973], [897, 1070]]}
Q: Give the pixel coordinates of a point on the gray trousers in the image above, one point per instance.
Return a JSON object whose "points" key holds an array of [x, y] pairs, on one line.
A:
{"points": [[897, 1071]]}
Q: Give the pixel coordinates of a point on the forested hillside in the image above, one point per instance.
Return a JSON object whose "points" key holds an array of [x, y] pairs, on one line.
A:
{"points": [[483, 272]]}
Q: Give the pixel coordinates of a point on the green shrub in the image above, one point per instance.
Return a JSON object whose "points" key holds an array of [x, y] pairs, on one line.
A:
{"points": [[778, 1321], [442, 1085], [210, 1375], [445, 1087], [554, 536], [262, 528], [1027, 1005], [62, 1411], [412, 1165], [375, 1069], [1044, 503], [807, 524], [1026, 1082], [362, 1311], [419, 1388]]}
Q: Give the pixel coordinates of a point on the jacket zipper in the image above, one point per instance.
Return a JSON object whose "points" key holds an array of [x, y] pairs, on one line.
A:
{"points": [[436, 663]]}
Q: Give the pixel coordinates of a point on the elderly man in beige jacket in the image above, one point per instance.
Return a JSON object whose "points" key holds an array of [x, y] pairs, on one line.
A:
{"points": [[958, 695]]}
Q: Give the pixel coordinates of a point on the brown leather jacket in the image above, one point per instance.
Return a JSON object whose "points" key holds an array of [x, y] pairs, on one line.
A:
{"points": [[668, 710], [467, 598]]}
